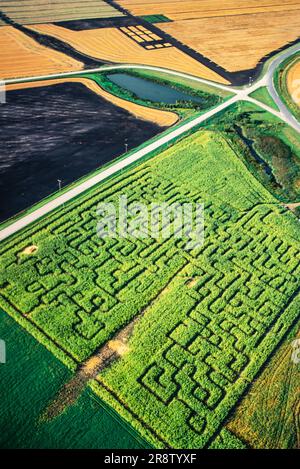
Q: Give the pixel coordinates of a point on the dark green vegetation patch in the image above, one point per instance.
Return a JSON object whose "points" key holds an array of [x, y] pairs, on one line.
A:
{"points": [[156, 18], [269, 147]]}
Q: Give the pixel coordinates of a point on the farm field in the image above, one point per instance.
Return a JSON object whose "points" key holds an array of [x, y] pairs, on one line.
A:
{"points": [[293, 82], [159, 117], [61, 134], [30, 58], [31, 379], [235, 36], [149, 227], [110, 44], [268, 416], [206, 320], [269, 148], [37, 11]]}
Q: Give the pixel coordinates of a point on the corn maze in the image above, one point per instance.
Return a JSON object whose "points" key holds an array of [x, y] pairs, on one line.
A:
{"points": [[209, 318]]}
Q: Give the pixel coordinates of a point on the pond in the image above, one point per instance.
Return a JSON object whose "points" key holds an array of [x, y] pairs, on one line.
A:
{"points": [[150, 90]]}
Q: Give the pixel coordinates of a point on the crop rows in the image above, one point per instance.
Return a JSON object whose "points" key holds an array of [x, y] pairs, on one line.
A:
{"points": [[236, 36], [211, 316], [110, 44], [43, 11], [30, 58]]}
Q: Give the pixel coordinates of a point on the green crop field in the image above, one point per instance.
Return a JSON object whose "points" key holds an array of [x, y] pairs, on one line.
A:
{"points": [[156, 18], [32, 376], [207, 320], [269, 148], [43, 11]]}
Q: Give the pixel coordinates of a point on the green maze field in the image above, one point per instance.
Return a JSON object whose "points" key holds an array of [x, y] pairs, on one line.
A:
{"points": [[211, 317]]}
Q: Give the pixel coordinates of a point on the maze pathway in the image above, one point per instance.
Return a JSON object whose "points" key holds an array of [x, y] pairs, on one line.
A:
{"points": [[213, 315]]}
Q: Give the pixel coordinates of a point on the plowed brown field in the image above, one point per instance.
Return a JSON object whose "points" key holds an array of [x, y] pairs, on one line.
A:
{"points": [[162, 118]]}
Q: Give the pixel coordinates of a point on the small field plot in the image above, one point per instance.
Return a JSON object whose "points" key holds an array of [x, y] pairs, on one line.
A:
{"points": [[21, 56], [64, 131], [113, 45], [234, 35], [199, 324], [43, 11]]}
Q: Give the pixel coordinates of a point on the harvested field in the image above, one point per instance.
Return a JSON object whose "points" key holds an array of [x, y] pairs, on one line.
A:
{"points": [[234, 36], [43, 11], [112, 45], [30, 58], [293, 82], [62, 131], [195, 9]]}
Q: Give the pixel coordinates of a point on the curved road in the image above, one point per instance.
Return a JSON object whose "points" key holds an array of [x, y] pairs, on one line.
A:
{"points": [[239, 95], [268, 80]]}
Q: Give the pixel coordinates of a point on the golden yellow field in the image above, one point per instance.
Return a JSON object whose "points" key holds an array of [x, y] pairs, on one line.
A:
{"points": [[112, 45], [21, 56], [268, 416], [232, 34], [162, 118], [182, 9], [293, 82]]}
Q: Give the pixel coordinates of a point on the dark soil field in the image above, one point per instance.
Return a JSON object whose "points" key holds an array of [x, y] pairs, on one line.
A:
{"points": [[96, 23], [59, 132]]}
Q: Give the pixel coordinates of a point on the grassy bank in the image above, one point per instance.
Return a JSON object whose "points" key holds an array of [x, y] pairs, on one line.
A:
{"points": [[281, 82], [270, 148], [262, 94]]}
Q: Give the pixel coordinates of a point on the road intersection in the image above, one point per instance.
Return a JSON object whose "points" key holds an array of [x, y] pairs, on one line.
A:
{"points": [[243, 94]]}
